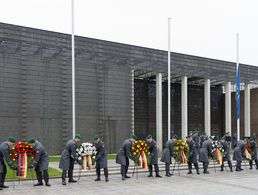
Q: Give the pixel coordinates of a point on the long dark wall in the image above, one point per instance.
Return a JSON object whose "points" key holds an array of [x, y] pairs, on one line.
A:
{"points": [[35, 89], [145, 108]]}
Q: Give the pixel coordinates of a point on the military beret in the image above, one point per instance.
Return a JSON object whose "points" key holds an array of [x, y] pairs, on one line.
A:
{"points": [[174, 137], [77, 135], [149, 137], [31, 140], [11, 139], [96, 137], [188, 136], [134, 136]]}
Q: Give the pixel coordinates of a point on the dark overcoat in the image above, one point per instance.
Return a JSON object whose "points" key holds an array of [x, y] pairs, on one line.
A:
{"points": [[4, 156], [254, 150], [124, 153], [193, 152], [101, 156], [68, 155], [154, 152], [41, 160], [239, 151], [205, 151], [226, 147], [168, 152]]}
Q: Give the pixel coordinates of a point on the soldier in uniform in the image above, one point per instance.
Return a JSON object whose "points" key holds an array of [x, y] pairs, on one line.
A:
{"points": [[167, 153], [253, 145], [196, 139], [205, 152], [4, 156], [40, 163], [154, 156], [225, 142], [124, 154], [239, 153], [193, 155], [68, 158], [101, 158]]}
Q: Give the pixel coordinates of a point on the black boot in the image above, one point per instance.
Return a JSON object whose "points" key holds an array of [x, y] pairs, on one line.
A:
{"points": [[251, 164], [150, 171], [230, 166], [222, 168], [196, 166]]}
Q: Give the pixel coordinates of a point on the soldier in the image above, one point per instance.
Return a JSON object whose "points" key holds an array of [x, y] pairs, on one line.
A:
{"points": [[154, 156], [167, 153], [254, 153], [239, 153], [124, 154], [101, 158], [68, 157], [234, 140], [196, 139], [40, 163], [225, 142], [193, 155], [4, 156], [205, 152]]}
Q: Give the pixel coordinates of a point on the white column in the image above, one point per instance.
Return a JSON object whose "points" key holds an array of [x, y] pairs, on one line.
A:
{"points": [[247, 110], [159, 111], [228, 107], [184, 112], [207, 107]]}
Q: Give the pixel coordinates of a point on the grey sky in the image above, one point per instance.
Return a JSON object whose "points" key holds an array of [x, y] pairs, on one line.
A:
{"points": [[199, 27]]}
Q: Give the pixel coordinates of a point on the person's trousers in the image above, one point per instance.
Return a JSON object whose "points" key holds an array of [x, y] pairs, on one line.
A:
{"points": [[229, 164], [70, 171], [205, 166], [238, 166], [3, 175], [98, 171], [156, 169], [196, 166], [167, 168], [39, 175], [124, 168]]}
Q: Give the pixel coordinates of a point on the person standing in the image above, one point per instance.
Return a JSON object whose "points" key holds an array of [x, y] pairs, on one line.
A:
{"points": [[239, 153], [124, 154], [40, 163], [101, 158], [197, 140], [253, 145], [5, 157], [68, 157], [226, 155], [205, 152], [167, 154], [193, 155], [154, 156]]}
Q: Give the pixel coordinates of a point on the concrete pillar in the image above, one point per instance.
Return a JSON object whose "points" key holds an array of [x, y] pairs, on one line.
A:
{"points": [[207, 107], [132, 101], [184, 112], [247, 110], [159, 111], [228, 108]]}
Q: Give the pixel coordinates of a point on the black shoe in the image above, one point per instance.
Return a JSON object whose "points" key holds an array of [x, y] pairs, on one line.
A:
{"points": [[221, 170], [231, 170], [158, 175], [47, 184], [206, 172], [198, 173], [168, 175], [150, 175], [4, 186], [190, 172], [123, 178], [251, 168], [63, 183], [38, 184], [72, 181], [238, 170], [106, 179], [127, 177], [98, 179]]}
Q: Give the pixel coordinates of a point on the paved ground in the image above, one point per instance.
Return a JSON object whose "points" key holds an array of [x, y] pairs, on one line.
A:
{"points": [[214, 183]]}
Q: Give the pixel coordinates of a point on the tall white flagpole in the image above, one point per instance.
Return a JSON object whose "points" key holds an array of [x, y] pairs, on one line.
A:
{"points": [[169, 130], [237, 68], [73, 68]]}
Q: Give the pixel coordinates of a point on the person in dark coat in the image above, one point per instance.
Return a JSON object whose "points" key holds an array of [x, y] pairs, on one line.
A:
{"points": [[40, 163], [167, 153], [68, 157], [253, 146], [124, 154], [193, 155], [197, 140], [205, 152], [234, 140], [5, 157], [239, 153], [154, 156], [101, 158], [226, 155]]}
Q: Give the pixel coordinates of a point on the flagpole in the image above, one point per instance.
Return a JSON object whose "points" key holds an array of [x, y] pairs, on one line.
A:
{"points": [[73, 69], [237, 69], [169, 130]]}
